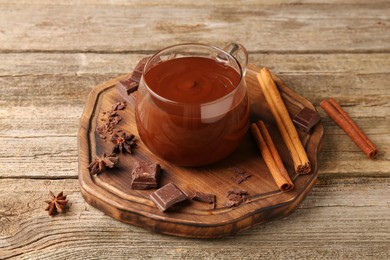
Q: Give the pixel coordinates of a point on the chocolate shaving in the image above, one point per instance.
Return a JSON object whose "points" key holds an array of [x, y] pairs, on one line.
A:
{"points": [[241, 174], [237, 170], [235, 197], [237, 191], [243, 177], [118, 106], [111, 121]]}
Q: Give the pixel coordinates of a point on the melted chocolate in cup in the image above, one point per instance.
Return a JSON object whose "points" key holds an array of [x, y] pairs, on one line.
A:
{"points": [[196, 114]]}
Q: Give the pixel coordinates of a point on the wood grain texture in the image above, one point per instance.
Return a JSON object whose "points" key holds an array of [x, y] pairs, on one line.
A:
{"points": [[307, 28], [42, 97], [341, 218], [188, 3]]}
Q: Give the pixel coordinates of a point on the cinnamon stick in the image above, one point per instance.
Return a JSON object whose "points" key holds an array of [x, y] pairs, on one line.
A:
{"points": [[271, 156], [284, 122], [341, 118]]}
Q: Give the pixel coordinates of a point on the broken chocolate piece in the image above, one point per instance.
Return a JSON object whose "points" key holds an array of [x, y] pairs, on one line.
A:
{"points": [[168, 196], [145, 175], [129, 85], [204, 197], [306, 119], [137, 72]]}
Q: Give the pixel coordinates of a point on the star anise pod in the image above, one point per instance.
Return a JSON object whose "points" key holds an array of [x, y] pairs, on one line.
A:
{"points": [[123, 143], [100, 163], [56, 203]]}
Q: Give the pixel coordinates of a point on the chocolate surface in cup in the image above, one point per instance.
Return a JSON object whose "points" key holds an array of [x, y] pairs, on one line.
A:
{"points": [[196, 115], [192, 80]]}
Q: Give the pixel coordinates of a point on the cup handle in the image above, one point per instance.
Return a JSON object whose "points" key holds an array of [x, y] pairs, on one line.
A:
{"points": [[240, 53]]}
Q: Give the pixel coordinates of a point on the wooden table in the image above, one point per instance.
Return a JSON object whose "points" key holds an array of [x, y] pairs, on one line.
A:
{"points": [[53, 52]]}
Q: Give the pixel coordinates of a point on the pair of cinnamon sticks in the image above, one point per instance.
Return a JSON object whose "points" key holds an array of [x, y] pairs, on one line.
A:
{"points": [[284, 122], [288, 132]]}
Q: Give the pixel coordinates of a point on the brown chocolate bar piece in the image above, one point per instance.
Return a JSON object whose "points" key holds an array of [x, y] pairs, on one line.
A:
{"points": [[145, 175], [129, 85], [204, 197], [168, 196], [306, 119], [137, 72]]}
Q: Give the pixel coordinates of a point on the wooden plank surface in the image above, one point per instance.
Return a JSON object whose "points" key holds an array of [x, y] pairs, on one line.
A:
{"points": [[327, 224], [52, 53], [47, 97], [113, 28]]}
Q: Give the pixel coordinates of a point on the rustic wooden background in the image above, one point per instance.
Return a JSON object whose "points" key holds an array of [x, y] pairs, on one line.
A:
{"points": [[52, 53]]}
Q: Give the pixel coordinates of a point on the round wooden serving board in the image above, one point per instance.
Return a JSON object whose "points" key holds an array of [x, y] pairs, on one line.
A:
{"points": [[110, 191]]}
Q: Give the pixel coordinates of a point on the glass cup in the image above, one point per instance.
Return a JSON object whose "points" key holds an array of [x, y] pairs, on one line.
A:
{"points": [[194, 134]]}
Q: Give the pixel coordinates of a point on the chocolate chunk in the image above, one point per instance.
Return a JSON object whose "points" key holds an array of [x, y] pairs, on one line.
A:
{"points": [[168, 196], [145, 175], [306, 119], [139, 68], [129, 85], [204, 197]]}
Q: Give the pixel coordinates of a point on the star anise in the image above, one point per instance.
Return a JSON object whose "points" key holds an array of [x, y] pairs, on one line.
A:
{"points": [[123, 143], [56, 203], [100, 163]]}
